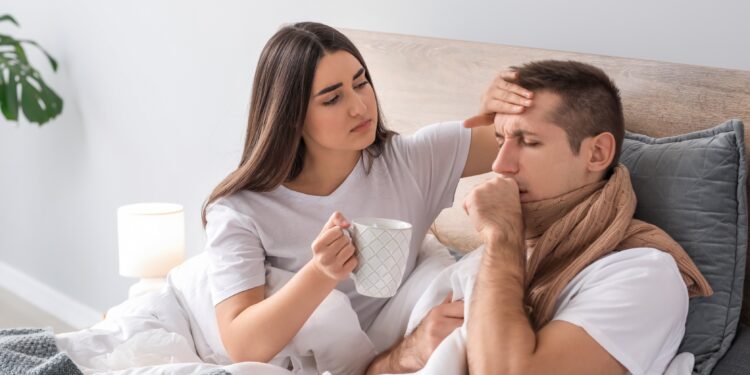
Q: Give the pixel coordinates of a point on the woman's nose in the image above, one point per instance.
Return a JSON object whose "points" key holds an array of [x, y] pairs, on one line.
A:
{"points": [[357, 105]]}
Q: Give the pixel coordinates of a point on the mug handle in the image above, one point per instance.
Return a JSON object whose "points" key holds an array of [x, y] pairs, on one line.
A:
{"points": [[348, 233]]}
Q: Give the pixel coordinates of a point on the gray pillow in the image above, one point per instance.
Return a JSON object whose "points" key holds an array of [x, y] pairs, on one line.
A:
{"points": [[694, 187]]}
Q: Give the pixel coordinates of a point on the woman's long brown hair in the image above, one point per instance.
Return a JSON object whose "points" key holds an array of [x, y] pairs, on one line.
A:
{"points": [[274, 151]]}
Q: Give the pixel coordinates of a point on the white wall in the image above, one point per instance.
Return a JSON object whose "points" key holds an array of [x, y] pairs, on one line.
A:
{"points": [[156, 94]]}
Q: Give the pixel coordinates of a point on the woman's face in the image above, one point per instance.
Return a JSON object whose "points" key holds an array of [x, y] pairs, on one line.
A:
{"points": [[342, 114]]}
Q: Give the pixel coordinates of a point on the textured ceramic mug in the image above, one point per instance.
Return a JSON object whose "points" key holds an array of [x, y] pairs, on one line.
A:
{"points": [[382, 252]]}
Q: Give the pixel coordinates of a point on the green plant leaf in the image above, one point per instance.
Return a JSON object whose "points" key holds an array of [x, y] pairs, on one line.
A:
{"points": [[32, 109], [8, 17], [3, 104], [10, 109], [37, 100], [52, 61], [53, 102]]}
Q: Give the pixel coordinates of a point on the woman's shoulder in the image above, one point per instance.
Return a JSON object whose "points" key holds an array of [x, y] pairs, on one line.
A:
{"points": [[429, 134], [243, 203]]}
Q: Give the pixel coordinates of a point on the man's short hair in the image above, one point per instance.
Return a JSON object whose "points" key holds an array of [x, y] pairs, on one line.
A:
{"points": [[590, 102]]}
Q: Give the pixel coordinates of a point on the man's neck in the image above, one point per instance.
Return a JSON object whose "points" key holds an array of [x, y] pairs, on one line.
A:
{"points": [[540, 215]]}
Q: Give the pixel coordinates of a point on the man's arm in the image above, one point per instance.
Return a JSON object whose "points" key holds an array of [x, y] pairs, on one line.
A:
{"points": [[501, 339], [412, 353], [401, 358]]}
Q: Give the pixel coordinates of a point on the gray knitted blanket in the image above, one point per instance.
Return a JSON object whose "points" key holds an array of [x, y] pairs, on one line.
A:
{"points": [[31, 351]]}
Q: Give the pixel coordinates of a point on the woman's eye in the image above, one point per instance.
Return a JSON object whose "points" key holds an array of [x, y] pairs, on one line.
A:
{"points": [[361, 85], [332, 100]]}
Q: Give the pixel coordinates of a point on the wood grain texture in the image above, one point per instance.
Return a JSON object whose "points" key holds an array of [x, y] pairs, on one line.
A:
{"points": [[422, 80]]}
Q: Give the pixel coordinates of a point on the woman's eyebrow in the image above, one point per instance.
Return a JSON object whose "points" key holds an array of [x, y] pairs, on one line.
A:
{"points": [[335, 86], [358, 73]]}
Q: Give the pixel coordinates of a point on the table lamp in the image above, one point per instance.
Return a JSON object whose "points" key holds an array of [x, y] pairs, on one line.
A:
{"points": [[151, 241]]}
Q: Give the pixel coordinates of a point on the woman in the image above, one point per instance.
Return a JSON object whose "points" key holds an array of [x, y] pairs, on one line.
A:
{"points": [[316, 147]]}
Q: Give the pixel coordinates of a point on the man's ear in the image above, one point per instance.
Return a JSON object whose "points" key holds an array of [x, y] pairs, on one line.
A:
{"points": [[601, 151]]}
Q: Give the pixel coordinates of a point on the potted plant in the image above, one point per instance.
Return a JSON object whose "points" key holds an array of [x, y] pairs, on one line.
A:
{"points": [[21, 86]]}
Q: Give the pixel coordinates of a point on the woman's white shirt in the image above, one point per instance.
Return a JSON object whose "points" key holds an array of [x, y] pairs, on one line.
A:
{"points": [[413, 180]]}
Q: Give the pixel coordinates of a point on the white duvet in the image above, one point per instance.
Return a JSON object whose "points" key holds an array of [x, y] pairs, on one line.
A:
{"points": [[172, 331]]}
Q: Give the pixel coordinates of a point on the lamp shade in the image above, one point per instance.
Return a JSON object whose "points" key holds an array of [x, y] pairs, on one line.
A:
{"points": [[151, 238]]}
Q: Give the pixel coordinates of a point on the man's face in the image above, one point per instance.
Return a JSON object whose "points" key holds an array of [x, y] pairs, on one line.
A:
{"points": [[536, 154]]}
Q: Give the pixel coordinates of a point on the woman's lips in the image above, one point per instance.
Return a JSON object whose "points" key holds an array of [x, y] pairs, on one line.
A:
{"points": [[363, 126]]}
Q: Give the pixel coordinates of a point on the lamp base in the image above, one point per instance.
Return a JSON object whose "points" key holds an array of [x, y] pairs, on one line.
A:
{"points": [[146, 285]]}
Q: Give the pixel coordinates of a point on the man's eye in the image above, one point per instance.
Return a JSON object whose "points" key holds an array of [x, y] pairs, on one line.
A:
{"points": [[530, 143], [332, 100]]}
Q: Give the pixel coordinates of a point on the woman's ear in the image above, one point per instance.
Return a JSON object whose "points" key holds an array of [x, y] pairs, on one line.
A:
{"points": [[601, 151]]}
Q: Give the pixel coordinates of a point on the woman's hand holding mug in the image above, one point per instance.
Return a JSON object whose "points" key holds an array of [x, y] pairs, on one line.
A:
{"points": [[334, 253]]}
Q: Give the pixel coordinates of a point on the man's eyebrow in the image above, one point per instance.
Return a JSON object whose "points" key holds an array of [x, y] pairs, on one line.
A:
{"points": [[516, 133], [334, 87]]}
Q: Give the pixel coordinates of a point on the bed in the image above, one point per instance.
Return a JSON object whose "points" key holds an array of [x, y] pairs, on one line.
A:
{"points": [[426, 80]]}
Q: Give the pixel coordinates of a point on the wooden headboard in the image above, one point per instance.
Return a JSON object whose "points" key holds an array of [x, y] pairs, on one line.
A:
{"points": [[425, 80]]}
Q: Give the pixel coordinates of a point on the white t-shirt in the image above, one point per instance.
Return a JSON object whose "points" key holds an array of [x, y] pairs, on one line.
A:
{"points": [[634, 303], [412, 180]]}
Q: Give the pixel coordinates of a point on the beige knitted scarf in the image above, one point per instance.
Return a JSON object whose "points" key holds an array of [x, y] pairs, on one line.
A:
{"points": [[567, 233]]}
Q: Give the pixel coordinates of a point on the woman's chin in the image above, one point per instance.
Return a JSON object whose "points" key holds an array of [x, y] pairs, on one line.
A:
{"points": [[366, 142]]}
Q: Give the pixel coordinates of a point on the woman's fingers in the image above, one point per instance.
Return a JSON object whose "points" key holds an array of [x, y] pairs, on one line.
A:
{"points": [[502, 96], [504, 107], [327, 237], [506, 94], [503, 82], [339, 244], [336, 219], [332, 249], [345, 254], [508, 75], [350, 265]]}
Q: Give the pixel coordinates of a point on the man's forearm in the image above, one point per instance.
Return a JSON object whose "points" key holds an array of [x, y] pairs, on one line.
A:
{"points": [[397, 360], [500, 337]]}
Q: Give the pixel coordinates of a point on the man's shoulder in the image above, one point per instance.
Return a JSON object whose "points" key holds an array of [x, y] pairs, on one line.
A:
{"points": [[631, 273], [640, 258], [625, 296]]}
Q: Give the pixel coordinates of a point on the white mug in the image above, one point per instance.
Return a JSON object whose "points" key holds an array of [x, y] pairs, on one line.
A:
{"points": [[382, 252]]}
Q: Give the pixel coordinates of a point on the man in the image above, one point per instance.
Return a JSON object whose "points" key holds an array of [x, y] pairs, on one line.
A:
{"points": [[567, 281]]}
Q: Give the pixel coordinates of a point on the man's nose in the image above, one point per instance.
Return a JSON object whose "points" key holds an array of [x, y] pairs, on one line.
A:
{"points": [[506, 161]]}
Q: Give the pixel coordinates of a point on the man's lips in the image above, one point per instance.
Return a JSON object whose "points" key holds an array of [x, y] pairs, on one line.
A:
{"points": [[362, 126]]}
